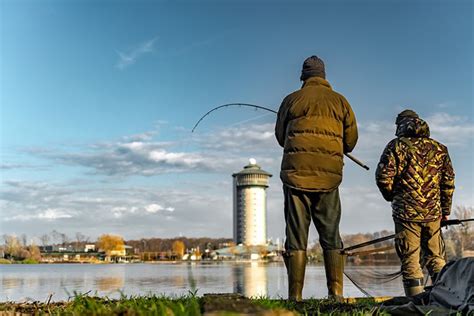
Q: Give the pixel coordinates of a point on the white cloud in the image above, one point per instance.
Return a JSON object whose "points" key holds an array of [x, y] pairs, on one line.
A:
{"points": [[129, 58], [141, 155], [133, 211], [154, 208], [14, 166], [80, 206], [198, 206], [48, 215], [51, 214], [450, 129]]}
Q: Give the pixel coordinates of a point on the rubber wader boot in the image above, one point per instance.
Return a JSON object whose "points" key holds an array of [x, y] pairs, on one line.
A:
{"points": [[334, 266], [413, 286], [296, 265]]}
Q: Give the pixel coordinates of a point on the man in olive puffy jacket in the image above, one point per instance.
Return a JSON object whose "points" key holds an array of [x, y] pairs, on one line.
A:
{"points": [[415, 174], [315, 126]]}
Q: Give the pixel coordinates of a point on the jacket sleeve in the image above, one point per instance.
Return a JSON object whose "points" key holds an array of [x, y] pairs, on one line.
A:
{"points": [[280, 126], [387, 170], [447, 185], [350, 128]]}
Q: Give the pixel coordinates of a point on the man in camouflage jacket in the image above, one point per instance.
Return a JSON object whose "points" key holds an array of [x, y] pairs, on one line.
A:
{"points": [[415, 174]]}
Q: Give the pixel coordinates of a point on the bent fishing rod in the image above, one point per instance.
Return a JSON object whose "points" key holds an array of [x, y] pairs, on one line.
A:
{"points": [[348, 155]]}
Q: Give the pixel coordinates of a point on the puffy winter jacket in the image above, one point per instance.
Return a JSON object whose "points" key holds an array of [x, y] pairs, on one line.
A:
{"points": [[415, 173], [315, 126]]}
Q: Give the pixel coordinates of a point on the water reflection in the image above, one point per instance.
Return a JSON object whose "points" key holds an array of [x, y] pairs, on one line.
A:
{"points": [[18, 282], [109, 284], [11, 283], [250, 279]]}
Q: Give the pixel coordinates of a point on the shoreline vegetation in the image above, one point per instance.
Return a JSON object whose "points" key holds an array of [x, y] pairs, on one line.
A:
{"points": [[59, 247], [212, 304]]}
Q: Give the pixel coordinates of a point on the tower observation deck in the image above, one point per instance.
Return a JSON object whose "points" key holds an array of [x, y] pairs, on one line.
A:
{"points": [[250, 205]]}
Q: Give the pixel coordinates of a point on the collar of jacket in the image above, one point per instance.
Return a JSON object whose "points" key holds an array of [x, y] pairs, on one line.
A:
{"points": [[315, 81]]}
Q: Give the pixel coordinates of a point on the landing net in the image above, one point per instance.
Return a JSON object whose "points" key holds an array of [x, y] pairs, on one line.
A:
{"points": [[376, 271]]}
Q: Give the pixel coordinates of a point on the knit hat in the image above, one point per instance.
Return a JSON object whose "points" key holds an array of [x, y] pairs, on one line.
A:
{"points": [[404, 114], [313, 67]]}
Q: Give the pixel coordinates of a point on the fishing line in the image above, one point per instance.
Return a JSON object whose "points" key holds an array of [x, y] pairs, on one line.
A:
{"points": [[348, 155], [259, 107], [250, 119]]}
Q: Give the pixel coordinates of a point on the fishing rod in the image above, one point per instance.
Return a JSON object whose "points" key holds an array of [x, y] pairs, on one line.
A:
{"points": [[348, 155], [449, 222]]}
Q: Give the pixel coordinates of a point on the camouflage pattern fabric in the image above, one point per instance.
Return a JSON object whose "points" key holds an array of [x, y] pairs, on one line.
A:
{"points": [[415, 173], [419, 240]]}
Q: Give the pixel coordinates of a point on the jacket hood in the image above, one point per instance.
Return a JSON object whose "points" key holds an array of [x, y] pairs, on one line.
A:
{"points": [[412, 127]]}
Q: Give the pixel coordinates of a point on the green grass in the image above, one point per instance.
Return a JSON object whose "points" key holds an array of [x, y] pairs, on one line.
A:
{"points": [[150, 305], [188, 305], [28, 261], [323, 307], [131, 305], [25, 261]]}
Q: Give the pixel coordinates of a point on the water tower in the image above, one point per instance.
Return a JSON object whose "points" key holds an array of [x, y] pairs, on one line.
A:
{"points": [[250, 205]]}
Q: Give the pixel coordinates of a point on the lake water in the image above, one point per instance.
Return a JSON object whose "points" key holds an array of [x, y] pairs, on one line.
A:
{"points": [[37, 282]]}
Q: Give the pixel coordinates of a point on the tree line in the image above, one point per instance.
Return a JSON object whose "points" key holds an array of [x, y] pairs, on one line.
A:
{"points": [[458, 239]]}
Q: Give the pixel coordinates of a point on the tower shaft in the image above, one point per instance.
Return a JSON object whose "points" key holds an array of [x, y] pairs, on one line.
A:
{"points": [[250, 205]]}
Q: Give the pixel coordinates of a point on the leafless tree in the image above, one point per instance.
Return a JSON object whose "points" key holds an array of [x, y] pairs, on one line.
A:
{"points": [[64, 239], [56, 236], [44, 239], [464, 231], [24, 240]]}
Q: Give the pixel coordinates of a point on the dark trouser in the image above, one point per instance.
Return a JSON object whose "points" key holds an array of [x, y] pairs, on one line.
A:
{"points": [[325, 210], [417, 242]]}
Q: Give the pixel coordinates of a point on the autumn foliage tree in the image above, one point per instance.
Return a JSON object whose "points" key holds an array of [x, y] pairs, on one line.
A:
{"points": [[110, 243], [178, 248]]}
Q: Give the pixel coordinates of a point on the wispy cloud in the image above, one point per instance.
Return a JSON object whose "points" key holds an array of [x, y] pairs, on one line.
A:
{"points": [[227, 148], [451, 130], [183, 203], [142, 155], [133, 211], [130, 57], [13, 166]]}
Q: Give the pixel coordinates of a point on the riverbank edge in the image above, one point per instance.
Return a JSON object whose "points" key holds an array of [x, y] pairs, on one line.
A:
{"points": [[208, 304]]}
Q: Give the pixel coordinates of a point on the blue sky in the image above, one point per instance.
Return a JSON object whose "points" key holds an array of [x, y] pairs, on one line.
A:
{"points": [[98, 99]]}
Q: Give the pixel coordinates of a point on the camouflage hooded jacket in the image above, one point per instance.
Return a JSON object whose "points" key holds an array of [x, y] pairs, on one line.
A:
{"points": [[415, 174]]}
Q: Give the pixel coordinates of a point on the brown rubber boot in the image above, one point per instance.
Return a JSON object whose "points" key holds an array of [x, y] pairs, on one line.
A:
{"points": [[296, 266], [413, 287], [334, 266]]}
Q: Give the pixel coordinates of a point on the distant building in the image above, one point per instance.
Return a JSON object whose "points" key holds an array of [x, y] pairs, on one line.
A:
{"points": [[89, 248], [250, 205]]}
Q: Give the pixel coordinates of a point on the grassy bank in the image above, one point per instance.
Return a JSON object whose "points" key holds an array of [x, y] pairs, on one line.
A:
{"points": [[189, 305], [26, 261]]}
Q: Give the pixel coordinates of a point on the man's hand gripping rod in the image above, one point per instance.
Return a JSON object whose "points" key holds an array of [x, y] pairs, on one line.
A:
{"points": [[348, 155]]}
